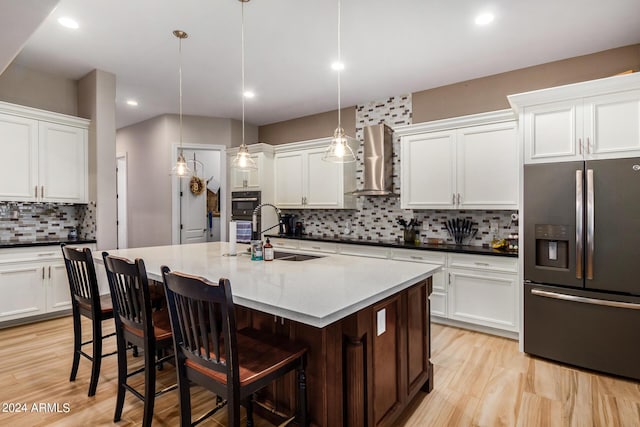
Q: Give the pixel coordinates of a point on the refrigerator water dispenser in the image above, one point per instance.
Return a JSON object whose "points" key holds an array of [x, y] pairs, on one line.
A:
{"points": [[552, 246]]}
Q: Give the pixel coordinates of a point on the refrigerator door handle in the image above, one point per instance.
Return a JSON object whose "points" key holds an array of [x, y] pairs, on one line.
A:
{"points": [[579, 224], [590, 225], [585, 300]]}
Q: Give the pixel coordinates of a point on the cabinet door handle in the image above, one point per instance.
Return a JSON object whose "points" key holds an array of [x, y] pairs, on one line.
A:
{"points": [[589, 147], [416, 257], [36, 191], [580, 145], [47, 254], [42, 191], [449, 278], [453, 198], [483, 264], [49, 272], [315, 247], [458, 198], [42, 273]]}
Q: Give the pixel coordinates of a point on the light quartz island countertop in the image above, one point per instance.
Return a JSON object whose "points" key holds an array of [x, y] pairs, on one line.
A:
{"points": [[316, 292]]}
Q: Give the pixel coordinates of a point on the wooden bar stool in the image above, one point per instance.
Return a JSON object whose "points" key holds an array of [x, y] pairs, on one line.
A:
{"points": [[86, 301], [210, 352], [137, 324]]}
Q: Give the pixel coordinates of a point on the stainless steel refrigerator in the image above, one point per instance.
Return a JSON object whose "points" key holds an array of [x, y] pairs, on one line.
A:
{"points": [[582, 264]]}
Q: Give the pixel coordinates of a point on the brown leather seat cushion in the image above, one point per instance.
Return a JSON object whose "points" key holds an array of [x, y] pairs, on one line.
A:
{"points": [[105, 304], [259, 354], [161, 326]]}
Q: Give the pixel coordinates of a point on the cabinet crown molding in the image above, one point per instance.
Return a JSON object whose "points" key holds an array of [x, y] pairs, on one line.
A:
{"points": [[456, 122], [259, 147], [303, 145], [596, 87], [43, 115]]}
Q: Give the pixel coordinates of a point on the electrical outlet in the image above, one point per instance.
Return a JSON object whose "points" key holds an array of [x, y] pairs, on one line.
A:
{"points": [[425, 226]]}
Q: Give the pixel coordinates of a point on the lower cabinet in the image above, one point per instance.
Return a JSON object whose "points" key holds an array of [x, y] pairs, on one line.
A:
{"points": [[33, 282]]}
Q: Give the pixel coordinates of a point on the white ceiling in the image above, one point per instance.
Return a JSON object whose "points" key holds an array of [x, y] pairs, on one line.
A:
{"points": [[389, 48]]}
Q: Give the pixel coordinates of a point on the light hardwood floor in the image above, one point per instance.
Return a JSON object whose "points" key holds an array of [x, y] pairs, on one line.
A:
{"points": [[480, 380]]}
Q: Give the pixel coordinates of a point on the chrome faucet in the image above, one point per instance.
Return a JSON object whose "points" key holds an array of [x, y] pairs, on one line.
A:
{"points": [[256, 233]]}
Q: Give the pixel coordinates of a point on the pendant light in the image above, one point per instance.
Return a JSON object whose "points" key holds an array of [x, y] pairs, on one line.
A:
{"points": [[339, 151], [243, 160], [181, 169]]}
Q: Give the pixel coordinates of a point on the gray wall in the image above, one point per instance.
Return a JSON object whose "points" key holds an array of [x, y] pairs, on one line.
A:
{"points": [[23, 86], [148, 146], [96, 101]]}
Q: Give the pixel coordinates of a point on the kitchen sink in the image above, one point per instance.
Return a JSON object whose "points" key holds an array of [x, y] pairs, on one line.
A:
{"points": [[288, 256]]}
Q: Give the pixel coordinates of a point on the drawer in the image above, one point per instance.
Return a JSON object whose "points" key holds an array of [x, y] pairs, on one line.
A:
{"points": [[284, 243], [329, 248], [419, 256], [365, 251], [36, 253], [484, 262]]}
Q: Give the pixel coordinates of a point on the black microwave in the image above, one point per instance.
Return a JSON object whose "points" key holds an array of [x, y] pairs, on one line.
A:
{"points": [[243, 203]]}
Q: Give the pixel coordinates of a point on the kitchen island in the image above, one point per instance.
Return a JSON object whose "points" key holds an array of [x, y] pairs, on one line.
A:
{"points": [[365, 322]]}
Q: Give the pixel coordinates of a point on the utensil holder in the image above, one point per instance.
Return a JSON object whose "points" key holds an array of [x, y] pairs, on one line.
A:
{"points": [[409, 236]]}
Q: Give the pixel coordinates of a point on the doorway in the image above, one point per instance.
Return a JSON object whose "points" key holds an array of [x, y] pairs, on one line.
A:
{"points": [[198, 206], [121, 200]]}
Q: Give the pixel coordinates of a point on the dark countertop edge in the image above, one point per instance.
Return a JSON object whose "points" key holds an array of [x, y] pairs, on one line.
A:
{"points": [[461, 249], [6, 245]]}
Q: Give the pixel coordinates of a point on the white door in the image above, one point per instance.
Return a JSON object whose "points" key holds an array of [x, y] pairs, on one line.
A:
{"points": [[22, 289], [193, 207], [58, 293], [487, 167], [62, 160], [289, 188], [121, 199], [428, 171], [18, 149], [323, 181]]}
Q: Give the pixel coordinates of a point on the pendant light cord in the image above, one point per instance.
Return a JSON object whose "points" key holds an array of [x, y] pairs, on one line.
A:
{"points": [[180, 92], [339, 67], [242, 72]]}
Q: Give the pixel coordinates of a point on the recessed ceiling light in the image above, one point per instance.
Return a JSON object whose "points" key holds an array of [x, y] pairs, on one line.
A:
{"points": [[67, 22], [338, 66], [249, 94], [484, 19], [132, 102]]}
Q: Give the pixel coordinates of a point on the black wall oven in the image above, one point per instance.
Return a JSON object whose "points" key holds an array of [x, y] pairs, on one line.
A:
{"points": [[242, 205]]}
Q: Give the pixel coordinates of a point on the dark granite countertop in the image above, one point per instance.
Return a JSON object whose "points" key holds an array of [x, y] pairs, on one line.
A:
{"points": [[43, 242], [463, 249]]}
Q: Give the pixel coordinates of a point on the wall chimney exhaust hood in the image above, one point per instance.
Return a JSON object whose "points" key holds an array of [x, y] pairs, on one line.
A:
{"points": [[378, 162]]}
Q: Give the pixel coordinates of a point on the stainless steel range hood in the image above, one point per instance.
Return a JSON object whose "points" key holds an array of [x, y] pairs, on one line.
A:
{"points": [[378, 162]]}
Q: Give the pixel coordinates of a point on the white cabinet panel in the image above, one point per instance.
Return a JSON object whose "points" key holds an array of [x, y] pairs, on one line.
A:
{"points": [[22, 288], [325, 247], [284, 243], [58, 293], [323, 181], [365, 251], [487, 299], [428, 170], [487, 167], [438, 304], [62, 168], [288, 180], [551, 133], [18, 149], [612, 125], [484, 262]]}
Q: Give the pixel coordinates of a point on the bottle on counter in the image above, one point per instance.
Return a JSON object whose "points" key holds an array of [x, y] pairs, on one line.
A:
{"points": [[268, 251], [256, 250]]}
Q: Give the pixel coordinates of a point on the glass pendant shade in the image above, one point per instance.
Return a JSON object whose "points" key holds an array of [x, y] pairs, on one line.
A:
{"points": [[339, 151], [181, 169], [243, 160]]}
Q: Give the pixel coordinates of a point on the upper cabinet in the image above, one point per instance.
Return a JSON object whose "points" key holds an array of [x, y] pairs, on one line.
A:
{"points": [[304, 181], [260, 179], [599, 119], [471, 166], [45, 156]]}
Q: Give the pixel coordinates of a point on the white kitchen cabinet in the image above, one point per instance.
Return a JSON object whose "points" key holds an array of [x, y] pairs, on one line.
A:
{"points": [[257, 179], [474, 167], [599, 119], [483, 290], [313, 246], [304, 181], [33, 281], [45, 156], [364, 251]]}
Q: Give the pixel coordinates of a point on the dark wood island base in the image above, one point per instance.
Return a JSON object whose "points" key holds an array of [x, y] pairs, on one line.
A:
{"points": [[362, 370]]}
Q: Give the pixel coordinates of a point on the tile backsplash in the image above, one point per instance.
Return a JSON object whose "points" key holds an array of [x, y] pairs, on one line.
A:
{"points": [[24, 222], [375, 218]]}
